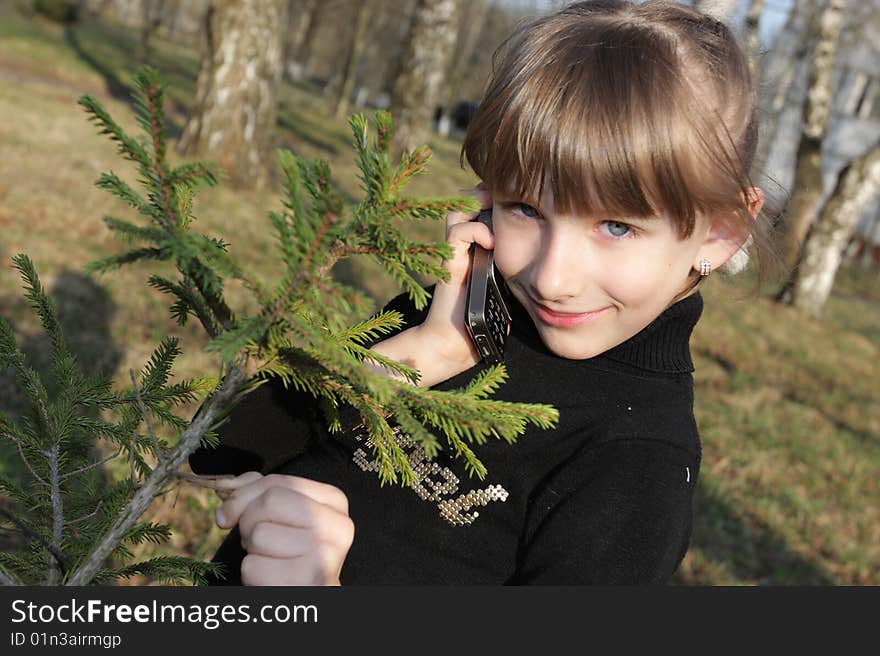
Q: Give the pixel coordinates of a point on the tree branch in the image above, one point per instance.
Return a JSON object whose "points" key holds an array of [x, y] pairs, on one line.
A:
{"points": [[90, 466], [24, 459], [232, 383], [84, 517], [146, 414], [56, 567], [30, 533]]}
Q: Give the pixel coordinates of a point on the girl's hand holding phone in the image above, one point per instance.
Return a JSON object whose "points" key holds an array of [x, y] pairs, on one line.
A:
{"points": [[444, 326], [441, 347], [296, 531]]}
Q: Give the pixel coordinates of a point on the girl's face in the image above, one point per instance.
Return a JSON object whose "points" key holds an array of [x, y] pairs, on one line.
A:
{"points": [[590, 282]]}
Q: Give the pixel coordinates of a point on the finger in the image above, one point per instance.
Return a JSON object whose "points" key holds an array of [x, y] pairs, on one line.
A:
{"points": [[284, 541], [278, 540], [229, 485], [461, 237], [291, 508], [226, 487], [228, 514], [264, 570], [464, 234]]}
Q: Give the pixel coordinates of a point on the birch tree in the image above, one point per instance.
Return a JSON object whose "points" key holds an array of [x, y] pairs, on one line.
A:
{"points": [[784, 63], [356, 50], [753, 35], [422, 72], [807, 186], [152, 14], [471, 23], [233, 120], [302, 22], [719, 9], [813, 279]]}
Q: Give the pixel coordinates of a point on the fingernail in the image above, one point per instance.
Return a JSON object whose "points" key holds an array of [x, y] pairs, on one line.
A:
{"points": [[221, 518]]}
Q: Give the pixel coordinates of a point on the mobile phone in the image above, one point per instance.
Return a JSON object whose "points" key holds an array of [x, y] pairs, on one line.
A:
{"points": [[486, 315]]}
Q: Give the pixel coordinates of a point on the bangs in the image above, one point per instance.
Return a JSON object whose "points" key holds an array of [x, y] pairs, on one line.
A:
{"points": [[600, 113]]}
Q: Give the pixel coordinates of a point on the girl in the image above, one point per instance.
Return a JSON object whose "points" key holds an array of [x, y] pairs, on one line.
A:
{"points": [[614, 144]]}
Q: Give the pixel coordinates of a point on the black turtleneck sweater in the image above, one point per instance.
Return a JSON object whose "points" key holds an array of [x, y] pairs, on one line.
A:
{"points": [[605, 497]]}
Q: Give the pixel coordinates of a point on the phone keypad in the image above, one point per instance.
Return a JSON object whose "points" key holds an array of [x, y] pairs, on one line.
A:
{"points": [[496, 320]]}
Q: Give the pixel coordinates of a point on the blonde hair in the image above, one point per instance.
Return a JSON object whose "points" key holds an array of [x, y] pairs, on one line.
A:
{"points": [[622, 108]]}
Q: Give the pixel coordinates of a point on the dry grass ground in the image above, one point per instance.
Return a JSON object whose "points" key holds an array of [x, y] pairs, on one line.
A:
{"points": [[787, 406]]}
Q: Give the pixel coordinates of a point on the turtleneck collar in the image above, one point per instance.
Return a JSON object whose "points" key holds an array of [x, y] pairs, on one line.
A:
{"points": [[662, 346]]}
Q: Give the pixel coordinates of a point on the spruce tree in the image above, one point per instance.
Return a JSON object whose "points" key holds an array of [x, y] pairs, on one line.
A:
{"points": [[73, 525]]}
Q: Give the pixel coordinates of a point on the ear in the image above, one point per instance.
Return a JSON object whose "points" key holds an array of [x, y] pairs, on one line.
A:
{"points": [[727, 233]]}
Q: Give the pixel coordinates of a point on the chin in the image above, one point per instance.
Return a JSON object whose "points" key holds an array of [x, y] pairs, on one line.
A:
{"points": [[572, 351]]}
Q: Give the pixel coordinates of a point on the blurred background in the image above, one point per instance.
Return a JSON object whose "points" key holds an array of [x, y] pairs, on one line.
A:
{"points": [[786, 378]]}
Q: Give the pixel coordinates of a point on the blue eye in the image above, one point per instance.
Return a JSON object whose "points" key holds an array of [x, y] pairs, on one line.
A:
{"points": [[617, 229], [527, 210]]}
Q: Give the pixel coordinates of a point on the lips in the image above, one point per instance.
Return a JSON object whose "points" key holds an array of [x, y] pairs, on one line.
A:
{"points": [[566, 319]]}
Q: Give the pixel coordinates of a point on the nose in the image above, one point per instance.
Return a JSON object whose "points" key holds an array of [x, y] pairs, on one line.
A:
{"points": [[558, 272]]}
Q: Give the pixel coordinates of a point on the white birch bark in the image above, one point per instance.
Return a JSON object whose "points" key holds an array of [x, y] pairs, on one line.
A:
{"points": [[356, 50], [472, 20], [823, 250], [417, 89], [753, 34], [807, 186], [301, 24], [233, 121], [718, 9], [783, 64]]}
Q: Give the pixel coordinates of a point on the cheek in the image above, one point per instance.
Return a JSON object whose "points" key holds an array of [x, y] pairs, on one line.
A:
{"points": [[644, 277], [514, 251]]}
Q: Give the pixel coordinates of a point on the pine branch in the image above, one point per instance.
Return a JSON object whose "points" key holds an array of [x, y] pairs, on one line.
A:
{"points": [[92, 465], [146, 415], [112, 262], [163, 472], [24, 458], [62, 358], [56, 564], [194, 174], [132, 232], [127, 147], [58, 557]]}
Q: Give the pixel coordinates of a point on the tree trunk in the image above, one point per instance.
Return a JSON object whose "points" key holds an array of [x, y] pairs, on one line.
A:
{"points": [[784, 64], [719, 9], [358, 43], [470, 28], [857, 186], [397, 33], [233, 121], [808, 171], [418, 85], [303, 53], [151, 19], [753, 35], [301, 16]]}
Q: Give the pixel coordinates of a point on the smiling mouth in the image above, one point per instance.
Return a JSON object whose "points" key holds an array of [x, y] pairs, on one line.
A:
{"points": [[566, 319]]}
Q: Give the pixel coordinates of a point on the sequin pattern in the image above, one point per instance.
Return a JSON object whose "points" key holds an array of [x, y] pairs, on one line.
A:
{"points": [[435, 484]]}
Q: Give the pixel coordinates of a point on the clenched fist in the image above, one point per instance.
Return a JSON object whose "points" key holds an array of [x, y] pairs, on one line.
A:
{"points": [[296, 531]]}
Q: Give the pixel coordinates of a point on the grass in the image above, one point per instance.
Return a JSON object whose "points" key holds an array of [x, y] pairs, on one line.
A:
{"points": [[787, 406]]}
